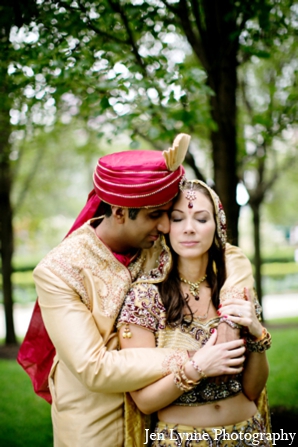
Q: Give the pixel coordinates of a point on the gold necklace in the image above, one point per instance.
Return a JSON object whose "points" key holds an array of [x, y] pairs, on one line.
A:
{"points": [[194, 287], [203, 317]]}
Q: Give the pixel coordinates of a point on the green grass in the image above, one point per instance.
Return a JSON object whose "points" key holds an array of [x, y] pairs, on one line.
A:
{"points": [[25, 419], [280, 269], [285, 321], [282, 384]]}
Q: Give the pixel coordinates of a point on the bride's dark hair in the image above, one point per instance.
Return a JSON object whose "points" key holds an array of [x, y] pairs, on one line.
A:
{"points": [[170, 289]]}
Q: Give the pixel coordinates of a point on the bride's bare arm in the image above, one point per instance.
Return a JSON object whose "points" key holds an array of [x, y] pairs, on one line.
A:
{"points": [[214, 360], [159, 394]]}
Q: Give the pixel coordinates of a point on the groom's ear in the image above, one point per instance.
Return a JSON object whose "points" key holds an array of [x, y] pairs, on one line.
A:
{"points": [[119, 214]]}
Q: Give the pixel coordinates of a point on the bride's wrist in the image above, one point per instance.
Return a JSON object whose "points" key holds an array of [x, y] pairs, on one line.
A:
{"points": [[256, 333], [194, 371]]}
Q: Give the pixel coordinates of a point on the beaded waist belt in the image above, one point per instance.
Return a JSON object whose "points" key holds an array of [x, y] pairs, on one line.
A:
{"points": [[209, 391]]}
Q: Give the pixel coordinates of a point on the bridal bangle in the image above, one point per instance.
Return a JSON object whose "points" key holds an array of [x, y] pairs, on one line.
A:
{"points": [[260, 344], [198, 369], [183, 382], [233, 325]]}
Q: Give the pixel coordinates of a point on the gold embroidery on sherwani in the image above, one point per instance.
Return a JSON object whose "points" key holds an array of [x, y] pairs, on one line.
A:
{"points": [[173, 362], [135, 266], [81, 252], [230, 293], [236, 292]]}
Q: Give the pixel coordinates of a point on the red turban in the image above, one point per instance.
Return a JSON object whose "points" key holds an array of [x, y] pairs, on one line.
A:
{"points": [[136, 179]]}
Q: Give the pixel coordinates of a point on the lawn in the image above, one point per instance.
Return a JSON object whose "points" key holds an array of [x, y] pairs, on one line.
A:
{"points": [[25, 418], [283, 360]]}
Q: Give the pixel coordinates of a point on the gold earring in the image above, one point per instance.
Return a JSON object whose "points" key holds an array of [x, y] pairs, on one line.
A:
{"points": [[126, 333]]}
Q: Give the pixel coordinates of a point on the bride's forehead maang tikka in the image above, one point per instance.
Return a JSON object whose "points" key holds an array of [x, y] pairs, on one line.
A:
{"points": [[190, 194], [187, 187]]}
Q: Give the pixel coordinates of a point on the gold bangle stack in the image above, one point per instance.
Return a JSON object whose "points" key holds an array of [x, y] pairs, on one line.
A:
{"points": [[260, 344], [183, 382]]}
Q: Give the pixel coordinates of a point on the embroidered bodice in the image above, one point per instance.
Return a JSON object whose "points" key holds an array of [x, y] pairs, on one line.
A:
{"points": [[144, 308]]}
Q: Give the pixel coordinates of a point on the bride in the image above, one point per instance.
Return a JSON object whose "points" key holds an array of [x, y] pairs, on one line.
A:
{"points": [[212, 399]]}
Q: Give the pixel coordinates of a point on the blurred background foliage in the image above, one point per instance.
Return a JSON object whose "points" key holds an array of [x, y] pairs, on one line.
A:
{"points": [[83, 78]]}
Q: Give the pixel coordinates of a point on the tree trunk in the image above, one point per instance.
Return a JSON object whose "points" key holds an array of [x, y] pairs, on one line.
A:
{"points": [[224, 146], [257, 244], [6, 237], [215, 41], [6, 229]]}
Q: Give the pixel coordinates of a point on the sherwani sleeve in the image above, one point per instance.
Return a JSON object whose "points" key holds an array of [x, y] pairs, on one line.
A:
{"points": [[239, 274], [87, 347]]}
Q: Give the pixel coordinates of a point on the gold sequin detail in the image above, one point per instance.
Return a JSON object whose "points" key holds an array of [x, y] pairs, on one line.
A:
{"points": [[231, 293], [236, 292], [173, 362], [81, 253]]}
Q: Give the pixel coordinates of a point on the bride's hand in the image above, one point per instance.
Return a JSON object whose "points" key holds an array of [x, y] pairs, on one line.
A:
{"points": [[242, 312], [215, 360]]}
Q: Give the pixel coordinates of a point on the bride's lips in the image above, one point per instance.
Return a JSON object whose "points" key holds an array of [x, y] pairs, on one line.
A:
{"points": [[189, 243]]}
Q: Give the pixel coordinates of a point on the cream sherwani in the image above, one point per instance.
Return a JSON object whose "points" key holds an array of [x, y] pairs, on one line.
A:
{"points": [[81, 287]]}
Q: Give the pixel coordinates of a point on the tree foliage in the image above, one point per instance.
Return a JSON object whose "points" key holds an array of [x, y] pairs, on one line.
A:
{"points": [[269, 117], [11, 14], [157, 67], [150, 67]]}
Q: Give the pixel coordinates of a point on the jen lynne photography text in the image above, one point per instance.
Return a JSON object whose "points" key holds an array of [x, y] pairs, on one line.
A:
{"points": [[221, 434]]}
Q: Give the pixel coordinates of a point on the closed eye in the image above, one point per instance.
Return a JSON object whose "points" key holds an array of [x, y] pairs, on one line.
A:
{"points": [[156, 215]]}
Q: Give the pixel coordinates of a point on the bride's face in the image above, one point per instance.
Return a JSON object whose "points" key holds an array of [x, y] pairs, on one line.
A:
{"points": [[192, 229]]}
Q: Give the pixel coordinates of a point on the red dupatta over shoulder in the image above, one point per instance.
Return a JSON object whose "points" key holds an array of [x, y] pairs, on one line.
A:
{"points": [[37, 351]]}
